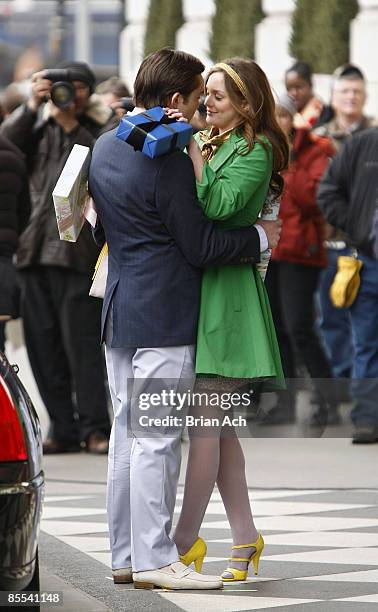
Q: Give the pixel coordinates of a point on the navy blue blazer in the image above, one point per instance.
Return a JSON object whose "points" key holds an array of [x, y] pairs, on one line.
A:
{"points": [[159, 240]]}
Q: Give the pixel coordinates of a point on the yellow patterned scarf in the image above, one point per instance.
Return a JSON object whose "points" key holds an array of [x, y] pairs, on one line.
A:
{"points": [[212, 141]]}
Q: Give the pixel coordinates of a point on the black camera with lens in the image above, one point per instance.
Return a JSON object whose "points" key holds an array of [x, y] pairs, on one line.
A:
{"points": [[62, 90]]}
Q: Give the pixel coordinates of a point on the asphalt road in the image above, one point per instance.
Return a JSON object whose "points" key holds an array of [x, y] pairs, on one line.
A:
{"points": [[315, 525], [315, 501]]}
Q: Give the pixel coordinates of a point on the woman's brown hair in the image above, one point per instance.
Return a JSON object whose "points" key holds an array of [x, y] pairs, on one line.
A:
{"points": [[259, 113]]}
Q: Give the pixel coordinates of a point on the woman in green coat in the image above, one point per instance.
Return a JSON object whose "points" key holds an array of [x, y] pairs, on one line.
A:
{"points": [[236, 163]]}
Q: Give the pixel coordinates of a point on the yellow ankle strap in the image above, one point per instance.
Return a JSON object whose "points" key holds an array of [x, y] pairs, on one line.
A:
{"points": [[246, 545]]}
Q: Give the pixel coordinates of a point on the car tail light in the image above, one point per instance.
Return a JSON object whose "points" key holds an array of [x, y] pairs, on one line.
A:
{"points": [[12, 441]]}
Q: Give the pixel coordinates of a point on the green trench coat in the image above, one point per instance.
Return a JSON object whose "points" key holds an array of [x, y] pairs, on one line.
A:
{"points": [[236, 335]]}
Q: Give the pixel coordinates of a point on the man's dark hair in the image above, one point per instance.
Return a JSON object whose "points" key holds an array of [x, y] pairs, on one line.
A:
{"points": [[163, 73], [303, 70], [348, 71]]}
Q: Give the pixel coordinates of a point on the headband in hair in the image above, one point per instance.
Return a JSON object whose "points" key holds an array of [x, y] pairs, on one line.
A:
{"points": [[234, 76]]}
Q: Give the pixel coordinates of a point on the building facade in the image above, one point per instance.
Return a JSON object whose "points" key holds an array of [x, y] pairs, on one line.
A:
{"points": [[272, 41]]}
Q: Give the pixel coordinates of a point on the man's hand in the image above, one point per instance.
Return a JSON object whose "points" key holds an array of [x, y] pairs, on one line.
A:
{"points": [[118, 109], [65, 117], [330, 231], [40, 90], [272, 230]]}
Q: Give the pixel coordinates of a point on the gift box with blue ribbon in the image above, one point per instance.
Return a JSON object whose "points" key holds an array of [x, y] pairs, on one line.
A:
{"points": [[154, 133]]}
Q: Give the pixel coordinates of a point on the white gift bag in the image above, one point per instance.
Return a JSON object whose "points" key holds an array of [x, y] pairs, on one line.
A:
{"points": [[70, 194]]}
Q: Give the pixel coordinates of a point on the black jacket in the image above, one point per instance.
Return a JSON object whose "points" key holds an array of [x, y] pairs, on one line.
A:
{"points": [[14, 196], [348, 192], [14, 215], [47, 147], [159, 239]]}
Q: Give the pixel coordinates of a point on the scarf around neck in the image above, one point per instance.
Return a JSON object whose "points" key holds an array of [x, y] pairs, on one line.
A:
{"points": [[213, 141]]}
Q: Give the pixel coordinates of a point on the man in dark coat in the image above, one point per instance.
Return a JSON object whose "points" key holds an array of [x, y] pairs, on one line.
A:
{"points": [[348, 101], [61, 322], [348, 197], [14, 215]]}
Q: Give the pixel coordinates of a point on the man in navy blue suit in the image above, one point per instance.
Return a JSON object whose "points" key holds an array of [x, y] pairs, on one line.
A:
{"points": [[159, 240]]}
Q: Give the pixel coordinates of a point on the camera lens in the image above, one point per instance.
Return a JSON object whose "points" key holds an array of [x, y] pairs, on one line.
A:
{"points": [[62, 94]]}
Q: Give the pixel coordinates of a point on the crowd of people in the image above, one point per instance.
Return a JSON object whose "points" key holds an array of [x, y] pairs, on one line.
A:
{"points": [[184, 299], [337, 346], [332, 224]]}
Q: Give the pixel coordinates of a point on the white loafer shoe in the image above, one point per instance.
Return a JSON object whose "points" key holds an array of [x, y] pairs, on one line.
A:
{"points": [[123, 575], [175, 576]]}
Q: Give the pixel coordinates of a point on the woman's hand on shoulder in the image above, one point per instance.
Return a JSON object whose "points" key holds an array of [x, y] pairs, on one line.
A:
{"points": [[174, 113]]}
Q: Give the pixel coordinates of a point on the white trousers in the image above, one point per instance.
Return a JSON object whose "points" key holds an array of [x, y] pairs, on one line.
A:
{"points": [[143, 471]]}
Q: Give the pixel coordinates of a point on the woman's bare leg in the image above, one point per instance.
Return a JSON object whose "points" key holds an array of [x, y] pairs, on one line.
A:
{"points": [[232, 486], [201, 473], [220, 459]]}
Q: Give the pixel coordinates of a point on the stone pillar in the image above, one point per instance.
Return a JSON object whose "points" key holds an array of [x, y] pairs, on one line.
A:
{"points": [[272, 46], [82, 31], [364, 47], [193, 36], [132, 39], [272, 39]]}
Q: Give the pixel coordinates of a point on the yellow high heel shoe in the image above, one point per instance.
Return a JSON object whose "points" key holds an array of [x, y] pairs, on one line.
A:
{"points": [[255, 558], [195, 554]]}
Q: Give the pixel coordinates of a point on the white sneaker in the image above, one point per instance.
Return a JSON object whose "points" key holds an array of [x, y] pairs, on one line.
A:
{"points": [[175, 576], [123, 575]]}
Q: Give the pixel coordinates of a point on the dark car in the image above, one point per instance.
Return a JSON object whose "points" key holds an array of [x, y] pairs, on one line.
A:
{"points": [[21, 483]]}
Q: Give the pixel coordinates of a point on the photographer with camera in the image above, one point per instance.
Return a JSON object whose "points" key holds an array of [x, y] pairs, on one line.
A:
{"points": [[61, 322]]}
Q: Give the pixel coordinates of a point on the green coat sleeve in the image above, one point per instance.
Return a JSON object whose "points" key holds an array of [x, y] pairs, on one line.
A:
{"points": [[222, 194]]}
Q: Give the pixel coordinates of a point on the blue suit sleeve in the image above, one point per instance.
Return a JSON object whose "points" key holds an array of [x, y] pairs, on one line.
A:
{"points": [[200, 241]]}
